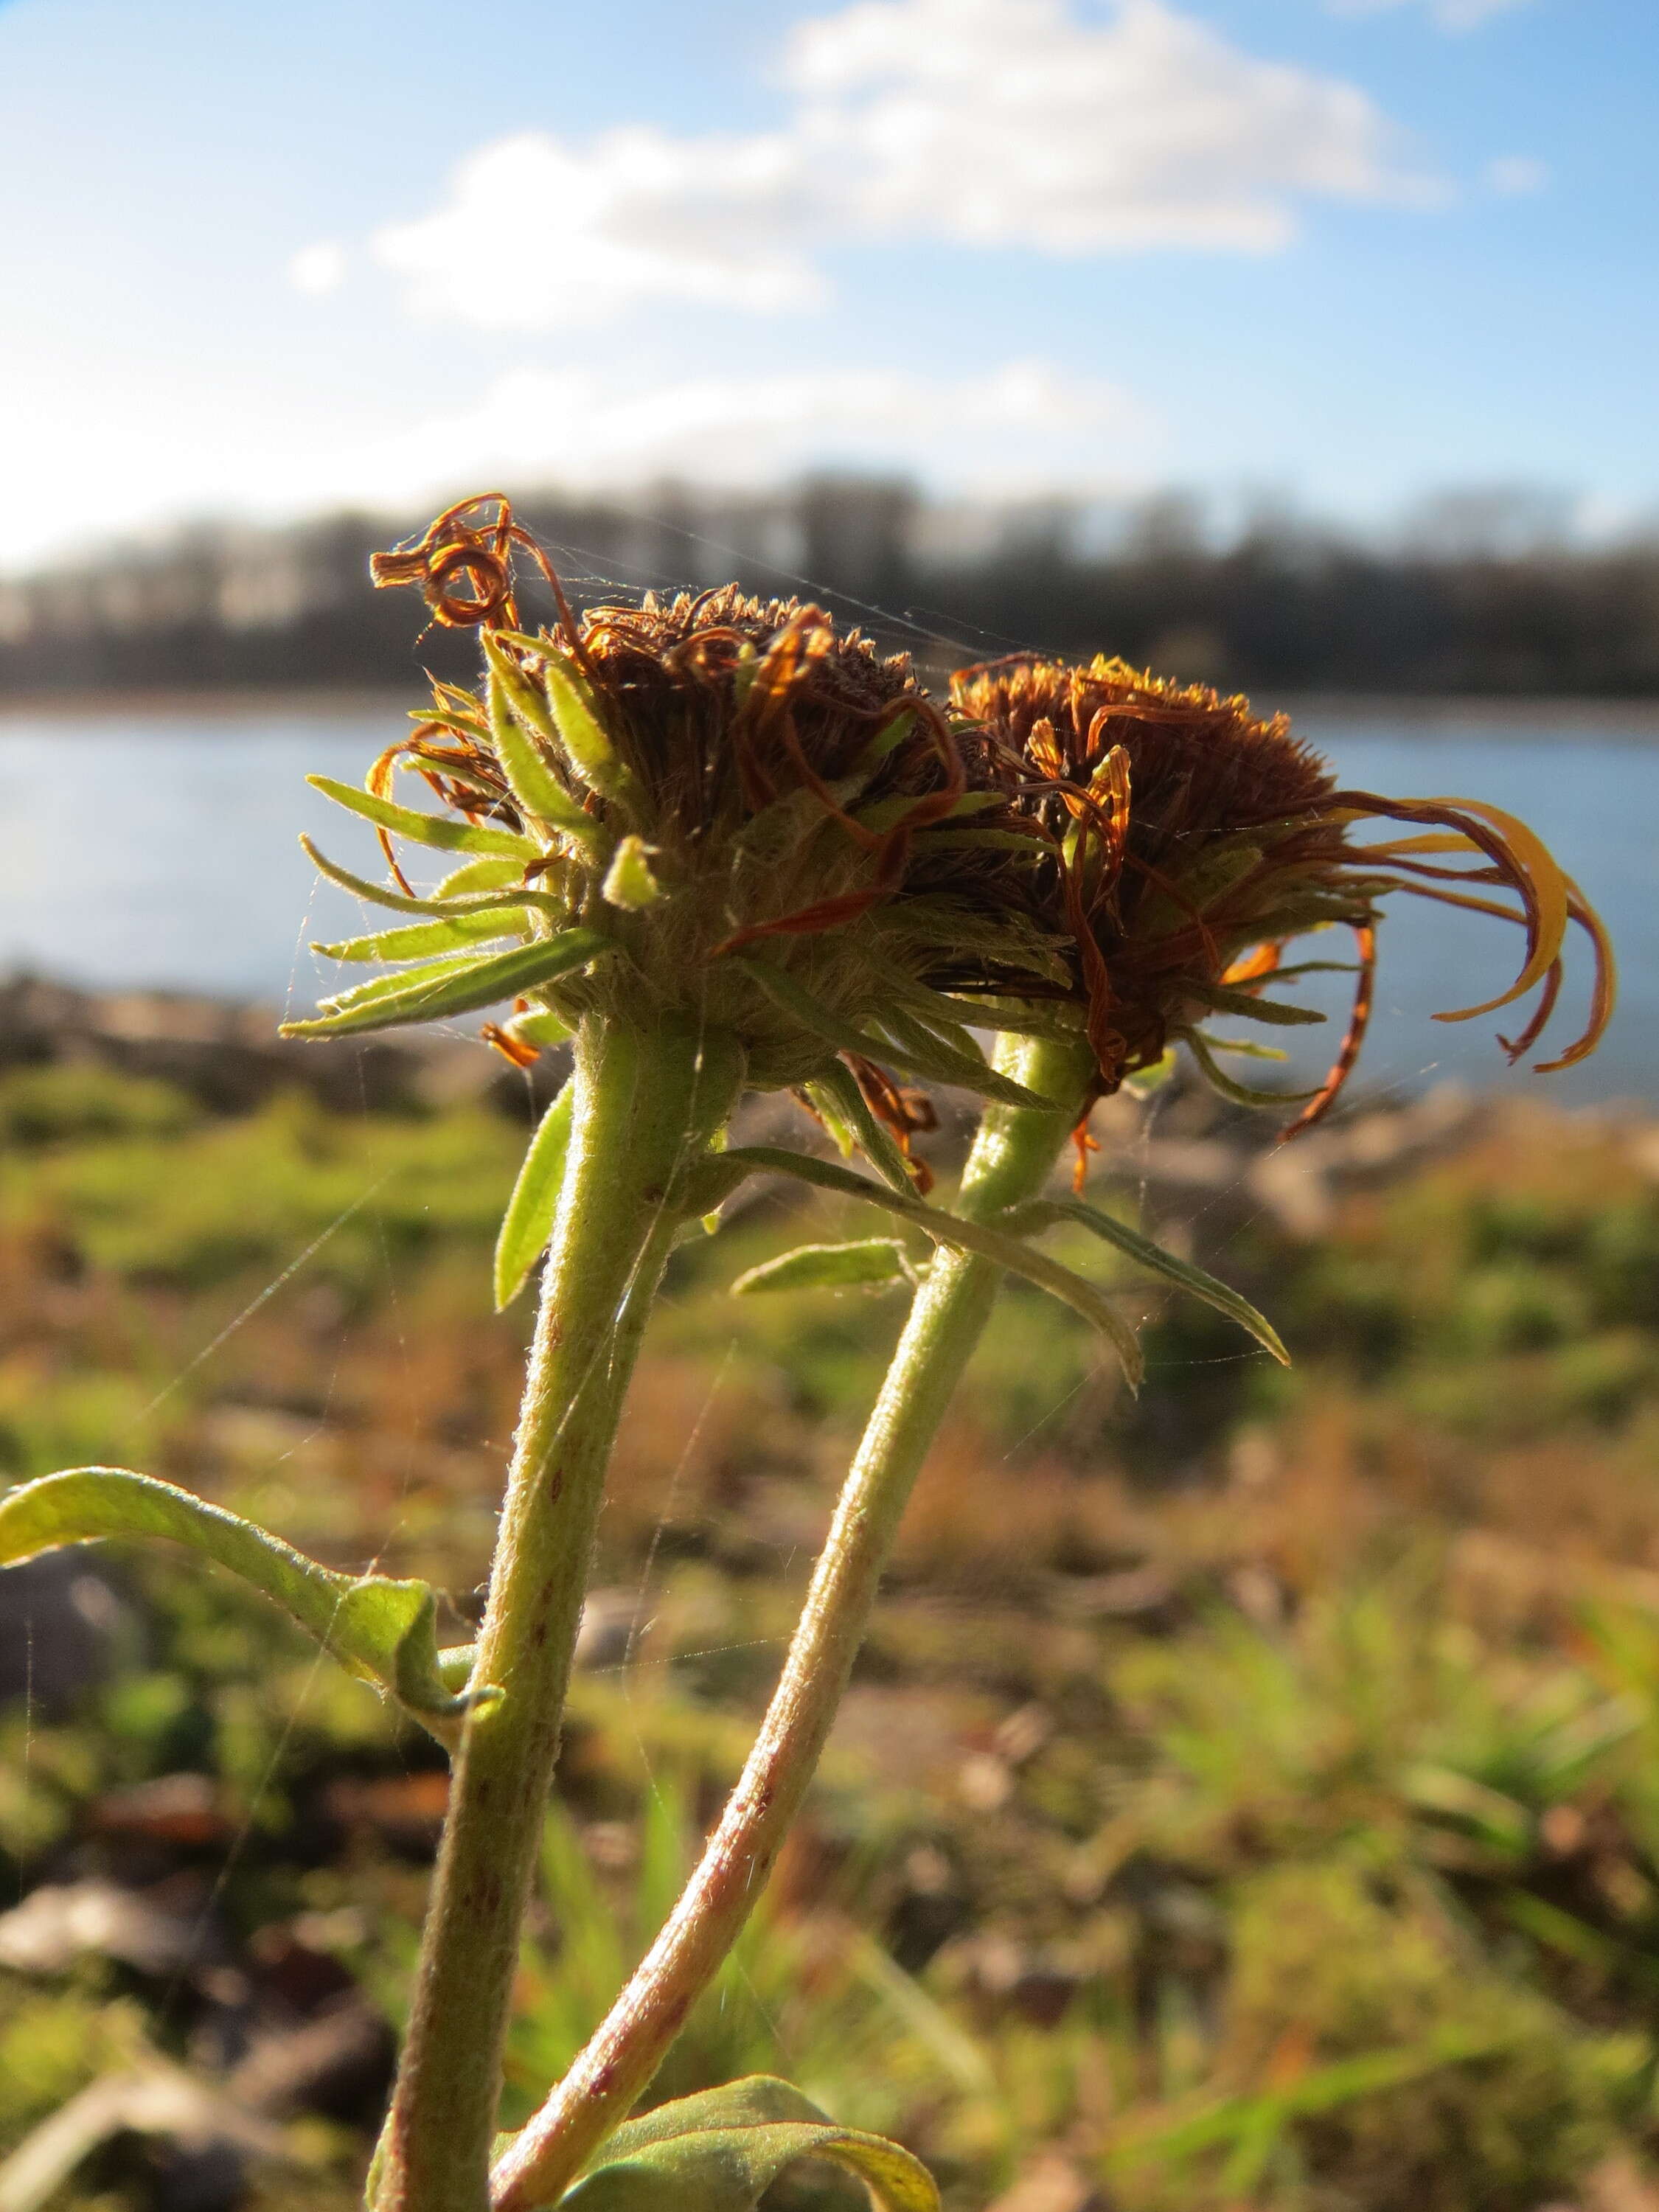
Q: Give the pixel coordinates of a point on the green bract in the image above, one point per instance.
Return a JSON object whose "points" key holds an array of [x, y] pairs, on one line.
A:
{"points": [[718, 807]]}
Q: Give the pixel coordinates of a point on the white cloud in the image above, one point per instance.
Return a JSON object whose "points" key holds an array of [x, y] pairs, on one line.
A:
{"points": [[1024, 426], [1448, 15], [1011, 123], [990, 123], [318, 270], [1515, 176], [536, 232]]}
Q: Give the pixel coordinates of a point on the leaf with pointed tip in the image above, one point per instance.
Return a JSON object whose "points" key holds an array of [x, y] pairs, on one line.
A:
{"points": [[887, 813], [1241, 1094], [442, 830], [528, 1222], [1247, 1047], [438, 936], [579, 730], [1222, 1001], [846, 1037], [872, 1261], [628, 881], [399, 982], [444, 901], [487, 873], [463, 987], [518, 716], [1043, 1212], [541, 1030], [380, 1630], [837, 1096], [720, 2151], [888, 739], [977, 1237]]}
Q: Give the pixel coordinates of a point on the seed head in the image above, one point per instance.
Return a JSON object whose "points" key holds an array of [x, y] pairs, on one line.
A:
{"points": [[1188, 842], [731, 807]]}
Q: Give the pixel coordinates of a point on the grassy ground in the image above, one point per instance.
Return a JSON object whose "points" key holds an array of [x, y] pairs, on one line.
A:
{"points": [[1249, 1798]]}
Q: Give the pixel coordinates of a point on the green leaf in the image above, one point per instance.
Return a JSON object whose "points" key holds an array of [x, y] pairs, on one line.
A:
{"points": [[721, 2150], [528, 1222], [837, 1096], [519, 715], [422, 936], [1240, 1093], [823, 1022], [1043, 1212], [443, 901], [993, 840], [482, 875], [1247, 1047], [1275, 1012], [579, 728], [888, 739], [1145, 1080], [887, 813], [463, 987], [875, 1259], [399, 982], [978, 1237], [440, 830], [628, 881], [380, 1630], [541, 1030]]}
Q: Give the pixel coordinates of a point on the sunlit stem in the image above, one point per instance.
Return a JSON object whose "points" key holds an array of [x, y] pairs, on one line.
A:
{"points": [[646, 1101], [1009, 1163]]}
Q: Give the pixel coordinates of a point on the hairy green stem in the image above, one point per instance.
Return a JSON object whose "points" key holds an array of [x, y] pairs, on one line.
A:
{"points": [[1011, 1162], [646, 1101]]}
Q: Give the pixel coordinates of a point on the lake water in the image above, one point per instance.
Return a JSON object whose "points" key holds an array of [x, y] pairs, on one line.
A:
{"points": [[160, 847]]}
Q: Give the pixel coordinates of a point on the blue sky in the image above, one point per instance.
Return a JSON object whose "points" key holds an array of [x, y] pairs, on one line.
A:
{"points": [[1342, 252]]}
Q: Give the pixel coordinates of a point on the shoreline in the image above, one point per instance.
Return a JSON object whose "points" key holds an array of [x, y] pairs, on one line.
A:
{"points": [[1634, 718]]}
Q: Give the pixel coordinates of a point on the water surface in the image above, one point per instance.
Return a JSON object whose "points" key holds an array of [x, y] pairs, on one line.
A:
{"points": [[160, 848]]}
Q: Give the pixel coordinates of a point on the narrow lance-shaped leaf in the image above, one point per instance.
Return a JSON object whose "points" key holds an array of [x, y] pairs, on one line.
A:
{"points": [[871, 1262], [579, 729], [1042, 1212], [446, 900], [1241, 1094], [829, 1025], [1272, 1011], [379, 1629], [628, 882], [464, 988], [440, 830], [424, 937], [518, 716], [837, 1091], [721, 2150], [484, 875], [401, 983], [528, 1222], [716, 1179]]}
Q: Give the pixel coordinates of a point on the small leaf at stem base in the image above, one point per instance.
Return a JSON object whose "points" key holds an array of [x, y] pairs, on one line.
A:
{"points": [[381, 1630], [720, 2151]]}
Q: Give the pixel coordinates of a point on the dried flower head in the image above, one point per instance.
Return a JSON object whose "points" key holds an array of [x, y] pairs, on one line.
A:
{"points": [[718, 805], [1188, 842]]}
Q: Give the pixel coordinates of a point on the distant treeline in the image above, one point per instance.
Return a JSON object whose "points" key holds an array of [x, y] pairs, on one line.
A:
{"points": [[1479, 603]]}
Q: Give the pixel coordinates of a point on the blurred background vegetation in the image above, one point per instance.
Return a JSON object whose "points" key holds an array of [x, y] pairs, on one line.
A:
{"points": [[1486, 590], [1247, 1796]]}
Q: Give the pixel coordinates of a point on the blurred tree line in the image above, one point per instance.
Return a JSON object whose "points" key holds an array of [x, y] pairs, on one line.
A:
{"points": [[1481, 593]]}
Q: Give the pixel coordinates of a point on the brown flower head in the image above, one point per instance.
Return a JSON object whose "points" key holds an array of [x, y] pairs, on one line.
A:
{"points": [[715, 803], [1189, 842]]}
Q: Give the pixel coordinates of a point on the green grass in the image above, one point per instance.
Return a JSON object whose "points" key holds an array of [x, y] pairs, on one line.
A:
{"points": [[1249, 1796]]}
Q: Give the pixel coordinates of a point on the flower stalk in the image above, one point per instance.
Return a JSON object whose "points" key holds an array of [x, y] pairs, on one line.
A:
{"points": [[720, 843], [645, 1105], [1011, 1162]]}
